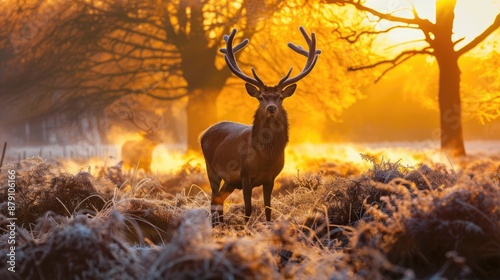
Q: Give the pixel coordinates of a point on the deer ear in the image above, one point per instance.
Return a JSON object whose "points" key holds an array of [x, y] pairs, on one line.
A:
{"points": [[287, 92], [253, 91]]}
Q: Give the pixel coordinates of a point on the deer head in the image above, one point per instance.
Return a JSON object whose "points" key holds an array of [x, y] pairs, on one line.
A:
{"points": [[148, 127], [271, 97]]}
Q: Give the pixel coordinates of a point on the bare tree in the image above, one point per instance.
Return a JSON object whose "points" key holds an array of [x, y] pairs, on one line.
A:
{"points": [[90, 53], [439, 44]]}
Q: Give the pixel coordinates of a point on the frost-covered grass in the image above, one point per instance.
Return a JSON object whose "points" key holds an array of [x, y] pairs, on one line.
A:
{"points": [[386, 221]]}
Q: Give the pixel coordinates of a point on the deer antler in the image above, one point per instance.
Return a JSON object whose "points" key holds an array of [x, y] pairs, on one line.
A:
{"points": [[229, 52], [312, 56]]}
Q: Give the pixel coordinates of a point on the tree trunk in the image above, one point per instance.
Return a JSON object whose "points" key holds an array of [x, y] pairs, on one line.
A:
{"points": [[450, 108], [201, 114]]}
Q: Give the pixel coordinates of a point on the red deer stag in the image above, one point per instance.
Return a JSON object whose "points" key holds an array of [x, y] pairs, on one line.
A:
{"points": [[139, 154], [248, 156]]}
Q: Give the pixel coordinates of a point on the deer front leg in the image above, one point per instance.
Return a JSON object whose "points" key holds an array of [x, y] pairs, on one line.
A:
{"points": [[216, 210], [247, 197], [268, 189]]}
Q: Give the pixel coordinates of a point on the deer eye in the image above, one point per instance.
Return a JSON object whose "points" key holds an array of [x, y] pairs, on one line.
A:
{"points": [[281, 98], [260, 98]]}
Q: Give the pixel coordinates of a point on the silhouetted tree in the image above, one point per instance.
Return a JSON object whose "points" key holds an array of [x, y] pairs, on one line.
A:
{"points": [[438, 43], [80, 56]]}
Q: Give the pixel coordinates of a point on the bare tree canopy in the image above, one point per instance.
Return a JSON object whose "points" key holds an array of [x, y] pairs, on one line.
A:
{"points": [[78, 57], [438, 42], [83, 55]]}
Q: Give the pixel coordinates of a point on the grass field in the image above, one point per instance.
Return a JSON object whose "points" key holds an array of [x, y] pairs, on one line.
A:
{"points": [[368, 217]]}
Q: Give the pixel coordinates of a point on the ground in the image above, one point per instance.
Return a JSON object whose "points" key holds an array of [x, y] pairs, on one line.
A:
{"points": [[370, 216]]}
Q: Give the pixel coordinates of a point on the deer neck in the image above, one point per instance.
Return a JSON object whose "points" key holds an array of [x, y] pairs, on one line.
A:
{"points": [[270, 134]]}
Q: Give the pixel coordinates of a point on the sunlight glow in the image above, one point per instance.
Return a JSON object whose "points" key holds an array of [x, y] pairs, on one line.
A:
{"points": [[329, 157], [471, 18], [171, 160]]}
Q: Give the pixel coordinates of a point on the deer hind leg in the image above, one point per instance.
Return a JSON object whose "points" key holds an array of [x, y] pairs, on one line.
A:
{"points": [[215, 181], [247, 197], [218, 202]]}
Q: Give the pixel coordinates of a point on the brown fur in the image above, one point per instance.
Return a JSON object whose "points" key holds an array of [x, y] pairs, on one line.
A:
{"points": [[244, 156], [249, 156], [139, 152]]}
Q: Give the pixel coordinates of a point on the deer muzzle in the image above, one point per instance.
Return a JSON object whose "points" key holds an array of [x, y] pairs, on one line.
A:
{"points": [[272, 110]]}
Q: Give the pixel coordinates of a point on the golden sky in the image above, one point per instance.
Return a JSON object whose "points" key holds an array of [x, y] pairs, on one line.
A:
{"points": [[472, 17]]}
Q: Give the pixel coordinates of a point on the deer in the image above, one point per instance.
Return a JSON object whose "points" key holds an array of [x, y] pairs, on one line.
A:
{"points": [[249, 156], [139, 154]]}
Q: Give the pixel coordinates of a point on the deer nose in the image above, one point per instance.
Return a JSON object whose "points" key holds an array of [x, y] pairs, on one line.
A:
{"points": [[272, 108]]}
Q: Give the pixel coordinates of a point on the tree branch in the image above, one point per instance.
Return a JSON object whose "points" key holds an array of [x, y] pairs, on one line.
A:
{"points": [[168, 97], [391, 61], [393, 66], [399, 59], [353, 38], [424, 24], [494, 26]]}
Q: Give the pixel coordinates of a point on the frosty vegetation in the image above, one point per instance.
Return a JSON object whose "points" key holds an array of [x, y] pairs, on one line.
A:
{"points": [[388, 222]]}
